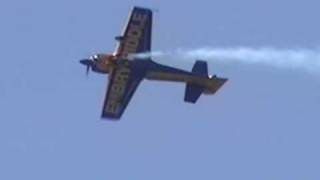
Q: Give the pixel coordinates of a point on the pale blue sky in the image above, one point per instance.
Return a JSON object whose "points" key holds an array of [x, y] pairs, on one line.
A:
{"points": [[263, 124]]}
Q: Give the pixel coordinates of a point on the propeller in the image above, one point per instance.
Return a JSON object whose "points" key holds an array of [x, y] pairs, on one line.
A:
{"points": [[87, 71], [88, 63]]}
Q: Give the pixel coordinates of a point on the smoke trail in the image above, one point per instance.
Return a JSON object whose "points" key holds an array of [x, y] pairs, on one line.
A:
{"points": [[304, 59]]}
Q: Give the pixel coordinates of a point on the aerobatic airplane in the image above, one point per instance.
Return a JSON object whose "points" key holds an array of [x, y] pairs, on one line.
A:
{"points": [[126, 72]]}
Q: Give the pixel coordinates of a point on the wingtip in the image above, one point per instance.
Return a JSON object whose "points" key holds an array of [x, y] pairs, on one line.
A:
{"points": [[145, 9], [109, 118]]}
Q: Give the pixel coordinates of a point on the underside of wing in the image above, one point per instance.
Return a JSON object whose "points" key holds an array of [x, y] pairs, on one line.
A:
{"points": [[122, 85], [136, 37]]}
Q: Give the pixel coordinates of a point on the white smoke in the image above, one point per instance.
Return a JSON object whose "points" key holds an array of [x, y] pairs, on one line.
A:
{"points": [[304, 59]]}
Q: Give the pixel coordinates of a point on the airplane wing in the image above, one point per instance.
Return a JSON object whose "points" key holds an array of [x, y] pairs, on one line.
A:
{"points": [[122, 84], [136, 37]]}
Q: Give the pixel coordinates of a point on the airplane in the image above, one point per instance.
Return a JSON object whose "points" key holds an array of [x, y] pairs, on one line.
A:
{"points": [[126, 71]]}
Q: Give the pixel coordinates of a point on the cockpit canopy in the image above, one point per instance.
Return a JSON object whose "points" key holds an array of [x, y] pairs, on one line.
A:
{"points": [[103, 63], [94, 57], [102, 57]]}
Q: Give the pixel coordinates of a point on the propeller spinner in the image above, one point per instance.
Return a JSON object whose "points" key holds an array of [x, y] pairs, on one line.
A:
{"points": [[88, 63]]}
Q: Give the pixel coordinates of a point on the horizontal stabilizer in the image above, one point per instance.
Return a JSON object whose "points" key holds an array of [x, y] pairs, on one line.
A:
{"points": [[192, 93], [200, 68]]}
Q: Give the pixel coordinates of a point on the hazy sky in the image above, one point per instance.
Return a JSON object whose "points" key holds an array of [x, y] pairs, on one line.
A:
{"points": [[263, 124]]}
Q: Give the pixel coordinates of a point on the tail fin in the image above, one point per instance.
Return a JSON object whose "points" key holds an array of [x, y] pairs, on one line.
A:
{"points": [[193, 92]]}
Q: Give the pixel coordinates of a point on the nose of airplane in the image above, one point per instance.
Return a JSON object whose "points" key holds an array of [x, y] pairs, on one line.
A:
{"points": [[86, 62]]}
